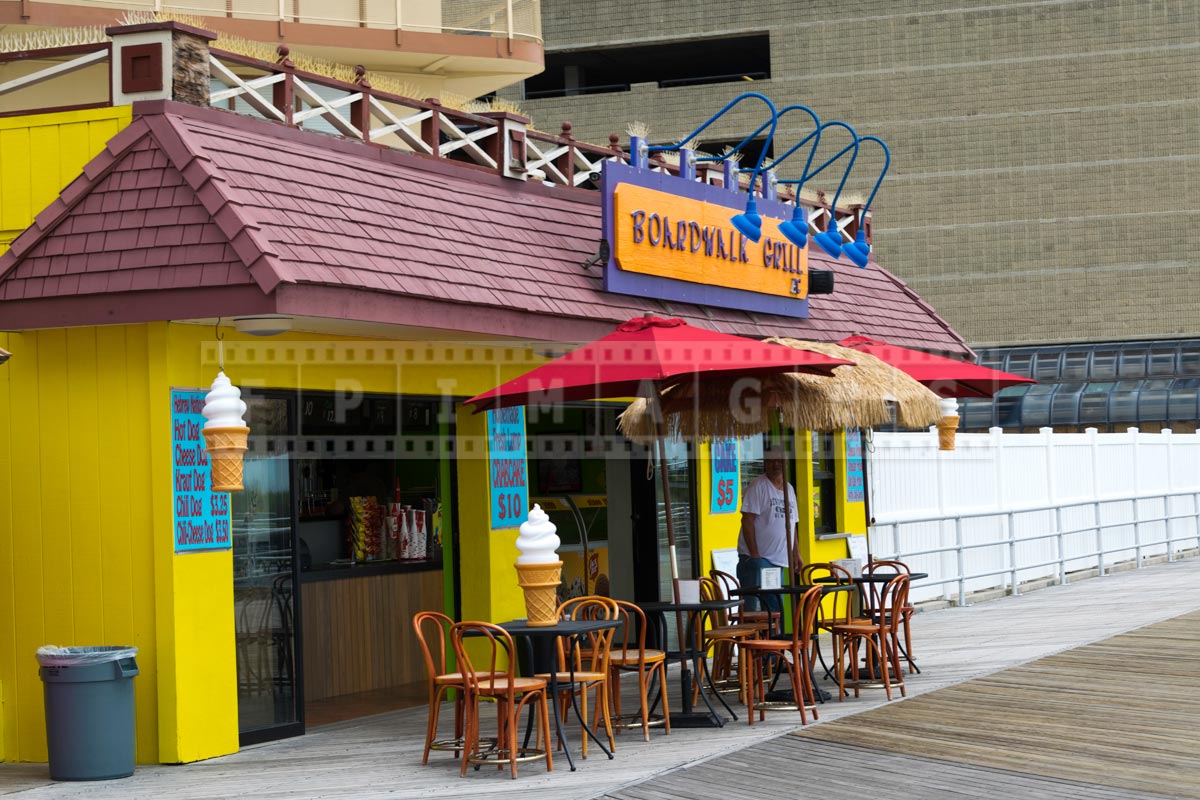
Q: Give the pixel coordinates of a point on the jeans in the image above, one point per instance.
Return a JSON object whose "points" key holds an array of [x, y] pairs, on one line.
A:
{"points": [[749, 577]]}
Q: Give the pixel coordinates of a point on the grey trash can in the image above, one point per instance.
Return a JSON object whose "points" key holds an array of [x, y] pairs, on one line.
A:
{"points": [[89, 711]]}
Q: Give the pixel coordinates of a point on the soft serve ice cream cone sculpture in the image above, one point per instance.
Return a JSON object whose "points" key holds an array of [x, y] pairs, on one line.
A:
{"points": [[225, 434], [948, 424], [539, 570]]}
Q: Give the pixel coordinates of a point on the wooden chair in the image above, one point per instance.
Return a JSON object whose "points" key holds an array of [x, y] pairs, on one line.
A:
{"points": [[586, 667], [880, 636], [433, 634], [738, 616], [836, 608], [633, 656], [900, 568], [794, 653], [719, 633], [500, 683]]}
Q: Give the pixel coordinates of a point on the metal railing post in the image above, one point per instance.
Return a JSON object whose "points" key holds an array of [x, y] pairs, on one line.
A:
{"points": [[1012, 554], [1196, 509], [962, 567], [1062, 550], [1137, 534], [1099, 539]]}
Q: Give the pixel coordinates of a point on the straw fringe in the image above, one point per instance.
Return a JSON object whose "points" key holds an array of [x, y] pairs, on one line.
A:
{"points": [[723, 407]]}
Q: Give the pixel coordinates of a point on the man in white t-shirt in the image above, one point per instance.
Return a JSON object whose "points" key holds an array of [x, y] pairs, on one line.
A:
{"points": [[762, 542]]}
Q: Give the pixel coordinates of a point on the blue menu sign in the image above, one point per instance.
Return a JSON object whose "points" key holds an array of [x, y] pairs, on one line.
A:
{"points": [[508, 467], [726, 482], [854, 467], [201, 515]]}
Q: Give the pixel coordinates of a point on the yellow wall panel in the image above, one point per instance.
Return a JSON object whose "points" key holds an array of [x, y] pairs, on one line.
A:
{"points": [[8, 599], [82, 486], [140, 537], [72, 493], [25, 723], [41, 153]]}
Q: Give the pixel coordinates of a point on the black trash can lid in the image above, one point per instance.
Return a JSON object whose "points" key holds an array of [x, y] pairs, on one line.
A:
{"points": [[51, 656]]}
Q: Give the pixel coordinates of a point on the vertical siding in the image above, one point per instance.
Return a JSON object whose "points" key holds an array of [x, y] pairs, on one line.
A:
{"points": [[75, 543], [41, 153]]}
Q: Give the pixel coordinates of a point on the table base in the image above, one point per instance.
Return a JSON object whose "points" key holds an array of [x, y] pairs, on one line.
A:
{"points": [[696, 719]]}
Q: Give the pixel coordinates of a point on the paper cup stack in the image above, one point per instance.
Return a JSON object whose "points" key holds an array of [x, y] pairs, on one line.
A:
{"points": [[539, 570]]}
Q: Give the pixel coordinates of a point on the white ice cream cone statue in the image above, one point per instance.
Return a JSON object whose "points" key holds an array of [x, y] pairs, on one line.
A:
{"points": [[948, 424], [539, 571], [225, 434]]}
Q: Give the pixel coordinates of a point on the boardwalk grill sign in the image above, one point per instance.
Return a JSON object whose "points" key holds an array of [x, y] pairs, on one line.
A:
{"points": [[672, 239]]}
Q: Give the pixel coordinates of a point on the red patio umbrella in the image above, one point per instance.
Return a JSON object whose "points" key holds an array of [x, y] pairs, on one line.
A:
{"points": [[945, 377], [644, 356], [641, 358]]}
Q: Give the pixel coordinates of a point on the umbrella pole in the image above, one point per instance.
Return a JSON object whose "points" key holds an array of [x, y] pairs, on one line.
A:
{"points": [[864, 438], [666, 490]]}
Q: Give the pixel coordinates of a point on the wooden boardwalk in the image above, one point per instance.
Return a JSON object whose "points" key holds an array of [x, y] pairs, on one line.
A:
{"points": [[1118, 718], [379, 756]]}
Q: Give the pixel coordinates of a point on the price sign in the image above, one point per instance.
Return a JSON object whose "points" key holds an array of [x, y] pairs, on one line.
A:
{"points": [[201, 515], [508, 467], [726, 482], [855, 484]]}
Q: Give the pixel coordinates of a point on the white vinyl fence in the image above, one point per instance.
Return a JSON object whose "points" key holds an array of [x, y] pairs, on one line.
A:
{"points": [[1006, 508]]}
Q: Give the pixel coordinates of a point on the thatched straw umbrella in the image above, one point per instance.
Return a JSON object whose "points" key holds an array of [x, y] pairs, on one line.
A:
{"points": [[720, 407], [727, 407]]}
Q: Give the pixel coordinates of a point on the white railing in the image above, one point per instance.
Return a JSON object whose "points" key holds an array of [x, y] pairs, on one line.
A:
{"points": [[510, 19], [1006, 509]]}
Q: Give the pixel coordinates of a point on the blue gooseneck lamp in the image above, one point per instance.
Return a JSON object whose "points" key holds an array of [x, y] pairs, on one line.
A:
{"points": [[859, 251], [795, 230], [831, 240], [748, 223]]}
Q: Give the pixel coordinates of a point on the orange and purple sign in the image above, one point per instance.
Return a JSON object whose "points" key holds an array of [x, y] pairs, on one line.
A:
{"points": [[673, 239]]}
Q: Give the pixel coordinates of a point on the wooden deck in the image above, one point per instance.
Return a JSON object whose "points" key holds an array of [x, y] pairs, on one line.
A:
{"points": [[1114, 719], [380, 755]]}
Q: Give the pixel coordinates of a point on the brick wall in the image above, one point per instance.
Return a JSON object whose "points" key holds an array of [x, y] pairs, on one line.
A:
{"points": [[1045, 181]]}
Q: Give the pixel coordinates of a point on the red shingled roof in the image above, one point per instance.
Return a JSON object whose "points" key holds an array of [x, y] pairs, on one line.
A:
{"points": [[269, 218]]}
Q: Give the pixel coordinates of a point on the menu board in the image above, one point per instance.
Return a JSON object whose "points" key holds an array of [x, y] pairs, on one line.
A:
{"points": [[201, 516], [726, 479], [507, 467]]}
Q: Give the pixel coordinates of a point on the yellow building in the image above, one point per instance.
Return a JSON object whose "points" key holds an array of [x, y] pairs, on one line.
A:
{"points": [[357, 294]]}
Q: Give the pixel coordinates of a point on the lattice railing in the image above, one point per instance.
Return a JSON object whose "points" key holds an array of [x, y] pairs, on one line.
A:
{"points": [[64, 62], [493, 141]]}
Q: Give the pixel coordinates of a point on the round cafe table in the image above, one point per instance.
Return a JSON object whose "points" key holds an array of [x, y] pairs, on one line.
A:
{"points": [[543, 658]]}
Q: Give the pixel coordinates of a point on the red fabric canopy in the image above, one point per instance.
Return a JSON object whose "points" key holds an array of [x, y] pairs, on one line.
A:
{"points": [[643, 355], [945, 377]]}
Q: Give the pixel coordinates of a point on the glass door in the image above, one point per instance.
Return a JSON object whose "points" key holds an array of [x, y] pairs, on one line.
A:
{"points": [[265, 580]]}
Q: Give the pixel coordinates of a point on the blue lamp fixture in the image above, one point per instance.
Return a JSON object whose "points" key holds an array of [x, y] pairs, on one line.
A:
{"points": [[831, 240], [796, 229], [859, 251], [748, 223]]}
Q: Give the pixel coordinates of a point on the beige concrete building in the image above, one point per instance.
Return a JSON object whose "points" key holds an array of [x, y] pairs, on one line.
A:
{"points": [[1045, 182]]}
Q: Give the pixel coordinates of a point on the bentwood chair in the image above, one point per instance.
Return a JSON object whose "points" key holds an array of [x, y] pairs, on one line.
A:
{"points": [[433, 634], [718, 632], [793, 651], [584, 666], [836, 608], [739, 616], [880, 636], [499, 682], [900, 568], [632, 655]]}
